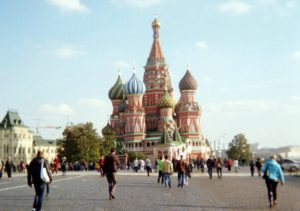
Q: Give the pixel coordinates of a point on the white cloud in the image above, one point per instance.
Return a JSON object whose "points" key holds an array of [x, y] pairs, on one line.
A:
{"points": [[201, 45], [296, 55], [93, 102], [62, 109], [69, 5], [68, 53], [121, 65], [235, 7], [136, 3]]}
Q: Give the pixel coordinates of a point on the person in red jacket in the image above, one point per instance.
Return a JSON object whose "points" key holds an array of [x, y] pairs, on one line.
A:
{"points": [[101, 165]]}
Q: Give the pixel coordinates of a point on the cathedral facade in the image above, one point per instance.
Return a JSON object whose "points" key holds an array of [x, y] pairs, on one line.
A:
{"points": [[145, 116]]}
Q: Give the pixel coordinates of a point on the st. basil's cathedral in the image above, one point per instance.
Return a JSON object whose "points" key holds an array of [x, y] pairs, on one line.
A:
{"points": [[146, 118]]}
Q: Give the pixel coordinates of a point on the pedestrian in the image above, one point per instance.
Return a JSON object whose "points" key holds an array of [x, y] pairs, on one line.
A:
{"points": [[229, 165], [34, 177], [272, 174], [181, 170], [111, 163], [167, 171], [210, 165], [9, 167], [64, 166], [56, 164], [136, 165], [101, 165], [252, 168], [258, 165], [1, 168], [219, 168], [148, 166], [236, 165], [202, 163], [160, 172]]}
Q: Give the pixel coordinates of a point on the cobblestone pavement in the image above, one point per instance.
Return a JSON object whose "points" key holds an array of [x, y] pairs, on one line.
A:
{"points": [[87, 191]]}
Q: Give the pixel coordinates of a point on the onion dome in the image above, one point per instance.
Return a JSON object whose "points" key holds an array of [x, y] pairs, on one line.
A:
{"points": [[166, 101], [107, 130], [155, 23], [188, 82], [122, 107], [134, 86], [117, 92]]}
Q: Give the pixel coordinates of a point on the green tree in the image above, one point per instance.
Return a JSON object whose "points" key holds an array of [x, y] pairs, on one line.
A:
{"points": [[239, 149], [133, 155], [80, 142], [108, 141]]}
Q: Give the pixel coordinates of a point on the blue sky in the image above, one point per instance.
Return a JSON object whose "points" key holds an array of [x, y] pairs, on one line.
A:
{"points": [[59, 58]]}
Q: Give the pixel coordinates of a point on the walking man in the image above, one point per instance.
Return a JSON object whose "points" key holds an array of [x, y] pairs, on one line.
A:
{"points": [[148, 166], [181, 168], [167, 171], [160, 168], [111, 163], [210, 165], [34, 177], [258, 165]]}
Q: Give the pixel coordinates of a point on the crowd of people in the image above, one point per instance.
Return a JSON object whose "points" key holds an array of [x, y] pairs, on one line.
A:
{"points": [[107, 166]]}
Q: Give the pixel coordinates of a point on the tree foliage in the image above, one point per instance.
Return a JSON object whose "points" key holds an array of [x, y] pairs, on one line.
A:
{"points": [[133, 155], [108, 141], [238, 148], [80, 142]]}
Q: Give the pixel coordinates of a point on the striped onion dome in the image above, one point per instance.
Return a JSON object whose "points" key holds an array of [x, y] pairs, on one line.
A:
{"points": [[117, 92], [134, 86], [188, 82], [166, 101]]}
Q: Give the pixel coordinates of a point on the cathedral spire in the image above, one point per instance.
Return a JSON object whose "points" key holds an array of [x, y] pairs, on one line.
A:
{"points": [[156, 54]]}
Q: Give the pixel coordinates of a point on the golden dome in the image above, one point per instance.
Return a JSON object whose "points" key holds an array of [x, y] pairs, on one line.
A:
{"points": [[155, 23]]}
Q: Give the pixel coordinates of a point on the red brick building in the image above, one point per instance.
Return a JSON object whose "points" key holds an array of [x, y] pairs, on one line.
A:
{"points": [[145, 116]]}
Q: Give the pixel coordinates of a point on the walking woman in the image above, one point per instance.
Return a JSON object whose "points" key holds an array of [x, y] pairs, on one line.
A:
{"points": [[272, 174], [9, 167], [219, 168]]}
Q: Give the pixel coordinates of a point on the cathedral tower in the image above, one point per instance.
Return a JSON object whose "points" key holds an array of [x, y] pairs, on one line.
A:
{"points": [[156, 79], [134, 116], [187, 109], [117, 96]]}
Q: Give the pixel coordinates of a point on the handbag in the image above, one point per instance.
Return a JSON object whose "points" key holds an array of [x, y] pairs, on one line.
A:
{"points": [[265, 175], [44, 174]]}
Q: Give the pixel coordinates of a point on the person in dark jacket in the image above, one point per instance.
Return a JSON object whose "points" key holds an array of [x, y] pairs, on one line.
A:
{"points": [[181, 170], [34, 177], [111, 163], [252, 168], [9, 167], [210, 165]]}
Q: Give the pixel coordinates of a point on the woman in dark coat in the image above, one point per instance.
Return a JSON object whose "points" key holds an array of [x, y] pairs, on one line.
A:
{"points": [[8, 167]]}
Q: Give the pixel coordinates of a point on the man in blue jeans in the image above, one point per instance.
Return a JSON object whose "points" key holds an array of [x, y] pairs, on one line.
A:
{"points": [[181, 171], [34, 177]]}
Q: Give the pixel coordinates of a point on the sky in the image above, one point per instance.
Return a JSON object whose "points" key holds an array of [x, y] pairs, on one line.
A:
{"points": [[59, 58]]}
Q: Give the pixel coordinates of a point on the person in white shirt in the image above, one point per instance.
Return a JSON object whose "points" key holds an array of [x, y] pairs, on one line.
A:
{"points": [[236, 165]]}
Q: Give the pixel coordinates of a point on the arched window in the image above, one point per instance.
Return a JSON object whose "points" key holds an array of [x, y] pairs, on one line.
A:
{"points": [[148, 144]]}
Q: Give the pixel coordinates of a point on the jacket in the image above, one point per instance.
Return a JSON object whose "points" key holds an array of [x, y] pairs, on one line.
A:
{"points": [[181, 166], [167, 167], [274, 170], [111, 163], [34, 171]]}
